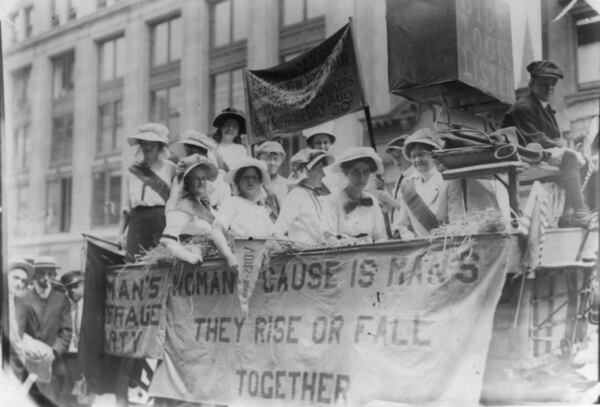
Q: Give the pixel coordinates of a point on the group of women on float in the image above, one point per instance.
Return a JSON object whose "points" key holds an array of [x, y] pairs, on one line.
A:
{"points": [[219, 189]]}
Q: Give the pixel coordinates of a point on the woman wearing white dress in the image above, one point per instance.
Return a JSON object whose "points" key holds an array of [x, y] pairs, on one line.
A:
{"points": [[302, 214], [230, 124], [192, 214], [246, 215], [352, 212]]}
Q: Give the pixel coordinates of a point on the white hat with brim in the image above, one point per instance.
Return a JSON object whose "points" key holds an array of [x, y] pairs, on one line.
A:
{"points": [[45, 262], [21, 264], [309, 157], [325, 128], [269, 147], [212, 171], [355, 153], [423, 136], [195, 138], [246, 163], [150, 132]]}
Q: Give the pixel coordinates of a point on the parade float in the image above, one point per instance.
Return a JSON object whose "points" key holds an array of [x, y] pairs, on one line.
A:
{"points": [[476, 313]]}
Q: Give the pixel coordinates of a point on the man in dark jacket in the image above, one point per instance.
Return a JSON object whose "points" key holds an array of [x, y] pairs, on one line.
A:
{"points": [[534, 117], [48, 320]]}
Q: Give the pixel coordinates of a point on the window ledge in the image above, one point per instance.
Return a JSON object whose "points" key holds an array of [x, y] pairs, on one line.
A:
{"points": [[583, 95]]}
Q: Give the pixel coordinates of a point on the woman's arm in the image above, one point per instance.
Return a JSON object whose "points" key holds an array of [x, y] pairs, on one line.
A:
{"points": [[218, 237], [123, 223]]}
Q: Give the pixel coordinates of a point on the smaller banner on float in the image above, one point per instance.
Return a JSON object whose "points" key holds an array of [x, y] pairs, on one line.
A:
{"points": [[317, 86], [250, 254], [134, 313]]}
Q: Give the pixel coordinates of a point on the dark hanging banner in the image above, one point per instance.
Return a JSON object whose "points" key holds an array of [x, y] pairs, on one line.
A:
{"points": [[100, 369], [317, 86]]}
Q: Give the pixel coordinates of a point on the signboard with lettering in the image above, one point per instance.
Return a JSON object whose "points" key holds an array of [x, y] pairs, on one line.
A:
{"points": [[134, 312], [404, 322], [319, 85], [460, 49]]}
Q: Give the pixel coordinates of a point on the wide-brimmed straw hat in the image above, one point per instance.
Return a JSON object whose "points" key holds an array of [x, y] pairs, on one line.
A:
{"points": [[246, 163], [269, 147], [231, 113], [354, 153], [309, 157], [150, 132], [325, 128], [195, 138], [187, 164], [396, 144], [425, 136], [21, 264]]}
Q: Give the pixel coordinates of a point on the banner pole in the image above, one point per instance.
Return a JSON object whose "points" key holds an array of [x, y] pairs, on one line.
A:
{"points": [[367, 110]]}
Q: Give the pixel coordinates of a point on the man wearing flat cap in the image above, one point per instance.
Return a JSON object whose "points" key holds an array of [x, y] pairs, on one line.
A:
{"points": [[72, 281], [48, 321], [534, 118]]}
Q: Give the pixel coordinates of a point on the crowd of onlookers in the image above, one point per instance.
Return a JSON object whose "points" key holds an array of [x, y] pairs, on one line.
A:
{"points": [[44, 328]]}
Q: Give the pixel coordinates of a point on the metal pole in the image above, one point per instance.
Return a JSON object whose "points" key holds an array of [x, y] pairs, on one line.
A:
{"points": [[386, 218]]}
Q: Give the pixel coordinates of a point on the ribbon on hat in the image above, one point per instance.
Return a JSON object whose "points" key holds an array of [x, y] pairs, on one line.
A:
{"points": [[352, 204]]}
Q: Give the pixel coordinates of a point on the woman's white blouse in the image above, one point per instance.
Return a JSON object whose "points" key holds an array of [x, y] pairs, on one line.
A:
{"points": [[362, 220], [244, 218], [301, 216], [183, 223], [137, 194], [232, 153]]}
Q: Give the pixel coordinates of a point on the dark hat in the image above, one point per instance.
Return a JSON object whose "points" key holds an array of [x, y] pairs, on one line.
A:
{"points": [[396, 144], [71, 277], [231, 113], [544, 69]]}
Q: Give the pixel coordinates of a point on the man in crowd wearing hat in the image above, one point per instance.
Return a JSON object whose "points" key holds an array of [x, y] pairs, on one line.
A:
{"points": [[273, 154], [72, 282], [48, 320], [19, 274], [420, 191], [534, 117], [393, 201]]}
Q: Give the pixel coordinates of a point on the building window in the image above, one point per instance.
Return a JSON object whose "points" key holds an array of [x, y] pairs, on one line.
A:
{"points": [[112, 59], [229, 21], [55, 19], [14, 35], [21, 89], [28, 22], [165, 107], [62, 139], [110, 127], [227, 90], [106, 200], [167, 41], [62, 82], [297, 11], [588, 50], [22, 210], [22, 148], [58, 202]]}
